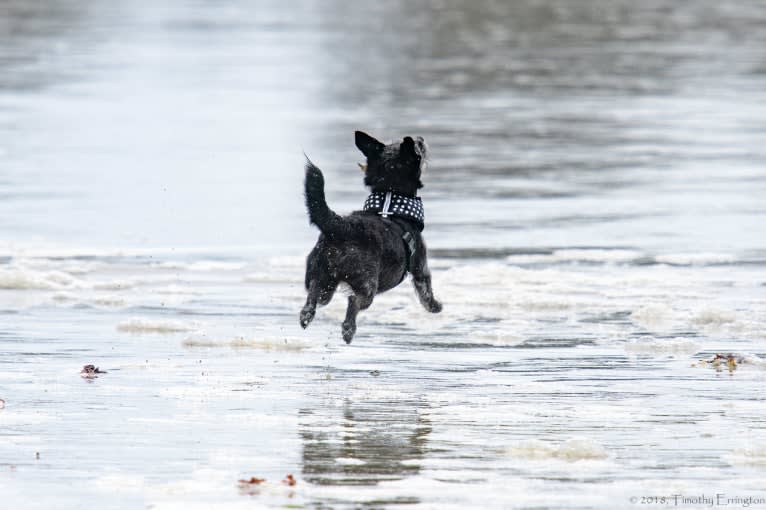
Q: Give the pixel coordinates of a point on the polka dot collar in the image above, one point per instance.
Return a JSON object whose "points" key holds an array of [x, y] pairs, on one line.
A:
{"points": [[391, 204]]}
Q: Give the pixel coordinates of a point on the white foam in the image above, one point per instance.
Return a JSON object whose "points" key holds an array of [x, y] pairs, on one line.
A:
{"points": [[169, 265], [269, 343], [713, 318], [753, 456], [40, 249], [175, 290], [596, 255], [154, 326], [213, 265], [695, 259], [273, 277], [545, 305], [114, 285], [753, 360], [665, 347], [572, 450], [74, 267], [26, 279], [577, 255], [500, 337], [109, 301], [653, 315]]}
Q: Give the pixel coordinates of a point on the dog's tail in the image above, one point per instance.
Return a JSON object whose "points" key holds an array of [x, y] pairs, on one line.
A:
{"points": [[319, 213]]}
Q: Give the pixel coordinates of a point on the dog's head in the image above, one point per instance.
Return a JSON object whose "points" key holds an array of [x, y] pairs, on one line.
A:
{"points": [[395, 167]]}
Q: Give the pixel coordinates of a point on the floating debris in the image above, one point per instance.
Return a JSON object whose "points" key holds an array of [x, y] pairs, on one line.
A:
{"points": [[90, 371], [251, 486], [719, 361], [252, 481], [289, 480]]}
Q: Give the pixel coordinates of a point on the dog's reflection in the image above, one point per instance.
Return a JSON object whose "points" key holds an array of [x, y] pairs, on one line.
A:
{"points": [[363, 443]]}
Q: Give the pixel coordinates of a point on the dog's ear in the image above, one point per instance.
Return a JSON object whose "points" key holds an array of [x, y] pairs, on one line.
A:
{"points": [[407, 147], [369, 146]]}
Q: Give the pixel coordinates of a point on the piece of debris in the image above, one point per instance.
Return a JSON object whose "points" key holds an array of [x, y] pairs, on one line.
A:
{"points": [[90, 371], [252, 481], [289, 480], [375, 373], [251, 487], [723, 360]]}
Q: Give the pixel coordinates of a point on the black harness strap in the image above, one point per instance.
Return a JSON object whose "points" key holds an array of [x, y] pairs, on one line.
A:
{"points": [[405, 212], [410, 245]]}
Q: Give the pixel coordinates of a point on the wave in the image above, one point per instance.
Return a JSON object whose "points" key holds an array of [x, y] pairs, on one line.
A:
{"points": [[27, 279], [696, 259], [154, 326], [572, 450], [269, 343], [754, 456], [664, 347], [200, 265], [273, 277]]}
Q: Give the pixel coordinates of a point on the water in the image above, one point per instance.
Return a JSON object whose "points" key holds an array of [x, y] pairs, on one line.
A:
{"points": [[594, 211]]}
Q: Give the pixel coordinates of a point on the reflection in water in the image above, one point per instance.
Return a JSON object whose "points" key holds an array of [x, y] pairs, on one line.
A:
{"points": [[364, 442]]}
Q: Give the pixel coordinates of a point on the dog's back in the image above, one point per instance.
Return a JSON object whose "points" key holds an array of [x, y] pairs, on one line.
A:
{"points": [[363, 249], [360, 249]]}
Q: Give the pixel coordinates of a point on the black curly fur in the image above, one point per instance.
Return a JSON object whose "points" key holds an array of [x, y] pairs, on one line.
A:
{"points": [[362, 249]]}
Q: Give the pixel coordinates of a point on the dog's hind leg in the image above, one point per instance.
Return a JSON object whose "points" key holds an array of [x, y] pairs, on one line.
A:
{"points": [[359, 300], [309, 309], [326, 292], [320, 292]]}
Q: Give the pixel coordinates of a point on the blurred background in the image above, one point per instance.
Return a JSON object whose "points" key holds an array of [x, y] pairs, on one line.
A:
{"points": [[181, 125]]}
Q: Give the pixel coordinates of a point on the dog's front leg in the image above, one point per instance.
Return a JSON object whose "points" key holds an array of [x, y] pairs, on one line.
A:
{"points": [[426, 294], [421, 279]]}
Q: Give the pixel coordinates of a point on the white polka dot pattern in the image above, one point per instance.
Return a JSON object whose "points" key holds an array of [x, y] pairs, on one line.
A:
{"points": [[410, 208]]}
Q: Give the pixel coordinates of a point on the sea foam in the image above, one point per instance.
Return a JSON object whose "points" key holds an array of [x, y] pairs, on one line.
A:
{"points": [[154, 326]]}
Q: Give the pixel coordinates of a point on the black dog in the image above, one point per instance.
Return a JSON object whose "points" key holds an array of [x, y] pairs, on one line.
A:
{"points": [[371, 250]]}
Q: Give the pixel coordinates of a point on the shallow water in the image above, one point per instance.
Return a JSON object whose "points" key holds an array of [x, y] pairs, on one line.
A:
{"points": [[595, 217]]}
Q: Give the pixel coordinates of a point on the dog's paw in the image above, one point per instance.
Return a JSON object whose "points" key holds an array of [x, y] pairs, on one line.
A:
{"points": [[307, 315], [434, 306], [349, 329]]}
